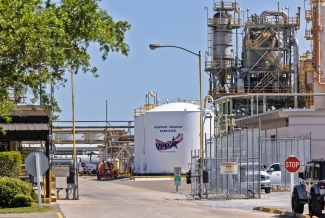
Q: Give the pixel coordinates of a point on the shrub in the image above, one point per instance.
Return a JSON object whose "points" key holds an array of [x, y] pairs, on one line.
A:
{"points": [[10, 162], [22, 200], [11, 187]]}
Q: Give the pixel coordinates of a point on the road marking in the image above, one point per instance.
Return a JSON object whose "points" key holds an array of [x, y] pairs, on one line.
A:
{"points": [[59, 215]]}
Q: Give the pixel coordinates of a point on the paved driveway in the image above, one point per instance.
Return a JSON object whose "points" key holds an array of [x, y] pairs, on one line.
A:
{"points": [[139, 199]]}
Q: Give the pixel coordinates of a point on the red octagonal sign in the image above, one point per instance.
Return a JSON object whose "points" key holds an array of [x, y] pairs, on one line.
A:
{"points": [[292, 164]]}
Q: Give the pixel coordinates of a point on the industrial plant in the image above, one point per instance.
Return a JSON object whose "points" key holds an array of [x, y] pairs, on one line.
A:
{"points": [[258, 79], [265, 101]]}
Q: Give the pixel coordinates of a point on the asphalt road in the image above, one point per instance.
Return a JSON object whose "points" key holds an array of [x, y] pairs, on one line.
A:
{"points": [[129, 198], [118, 198]]}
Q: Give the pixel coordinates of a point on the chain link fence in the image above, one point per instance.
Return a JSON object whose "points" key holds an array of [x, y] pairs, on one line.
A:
{"points": [[277, 150], [250, 152]]}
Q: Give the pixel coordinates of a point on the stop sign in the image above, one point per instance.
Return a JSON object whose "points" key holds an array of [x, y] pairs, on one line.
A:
{"points": [[292, 164]]}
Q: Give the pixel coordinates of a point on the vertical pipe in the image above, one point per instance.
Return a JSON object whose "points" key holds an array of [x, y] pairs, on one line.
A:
{"points": [[247, 163], [106, 138], [285, 172], [296, 67], [256, 104], [259, 154], [252, 105], [240, 159], [317, 44], [253, 159], [216, 156], [227, 161]]}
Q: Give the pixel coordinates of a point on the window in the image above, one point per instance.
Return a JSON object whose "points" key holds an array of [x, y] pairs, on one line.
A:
{"points": [[276, 167], [307, 171], [317, 171], [4, 146], [311, 171]]}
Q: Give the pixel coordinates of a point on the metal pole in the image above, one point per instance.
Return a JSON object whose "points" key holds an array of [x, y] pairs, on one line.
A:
{"points": [[201, 133], [38, 174], [106, 138], [75, 185], [259, 151]]}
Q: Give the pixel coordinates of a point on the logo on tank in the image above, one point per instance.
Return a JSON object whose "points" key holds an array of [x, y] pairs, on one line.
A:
{"points": [[162, 146]]}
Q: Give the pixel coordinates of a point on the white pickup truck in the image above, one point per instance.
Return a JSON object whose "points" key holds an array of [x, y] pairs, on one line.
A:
{"points": [[274, 171], [269, 175]]}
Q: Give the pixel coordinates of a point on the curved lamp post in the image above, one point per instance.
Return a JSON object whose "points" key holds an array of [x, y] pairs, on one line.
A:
{"points": [[153, 47]]}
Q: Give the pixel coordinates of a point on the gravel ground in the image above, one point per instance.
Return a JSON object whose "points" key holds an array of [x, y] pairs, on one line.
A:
{"points": [[277, 200]]}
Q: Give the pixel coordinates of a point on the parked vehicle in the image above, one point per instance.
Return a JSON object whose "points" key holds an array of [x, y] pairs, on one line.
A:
{"points": [[274, 171], [269, 175], [244, 172], [311, 190]]}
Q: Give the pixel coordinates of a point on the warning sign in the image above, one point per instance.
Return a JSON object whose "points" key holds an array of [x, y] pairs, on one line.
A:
{"points": [[228, 168]]}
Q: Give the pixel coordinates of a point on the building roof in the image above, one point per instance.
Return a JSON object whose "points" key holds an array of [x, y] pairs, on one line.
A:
{"points": [[24, 126]]}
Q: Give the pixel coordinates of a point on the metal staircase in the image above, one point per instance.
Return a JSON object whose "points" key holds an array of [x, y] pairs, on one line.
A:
{"points": [[267, 79]]}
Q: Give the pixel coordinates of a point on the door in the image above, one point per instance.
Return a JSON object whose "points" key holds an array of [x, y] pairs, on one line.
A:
{"points": [[275, 174]]}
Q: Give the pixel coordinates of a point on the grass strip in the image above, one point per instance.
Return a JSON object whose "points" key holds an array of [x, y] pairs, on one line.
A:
{"points": [[32, 209]]}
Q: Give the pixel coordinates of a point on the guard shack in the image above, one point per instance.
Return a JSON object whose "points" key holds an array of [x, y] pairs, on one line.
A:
{"points": [[29, 124]]}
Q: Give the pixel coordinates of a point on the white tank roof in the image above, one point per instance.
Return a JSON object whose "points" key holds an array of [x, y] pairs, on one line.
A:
{"points": [[177, 106]]}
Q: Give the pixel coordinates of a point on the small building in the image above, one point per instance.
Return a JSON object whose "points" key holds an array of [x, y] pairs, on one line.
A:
{"points": [[290, 123]]}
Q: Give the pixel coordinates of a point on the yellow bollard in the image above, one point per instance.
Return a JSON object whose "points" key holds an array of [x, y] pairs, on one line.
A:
{"points": [[44, 188], [50, 197]]}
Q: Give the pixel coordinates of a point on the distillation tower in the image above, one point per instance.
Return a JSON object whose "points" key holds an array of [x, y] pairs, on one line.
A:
{"points": [[311, 63], [266, 66]]}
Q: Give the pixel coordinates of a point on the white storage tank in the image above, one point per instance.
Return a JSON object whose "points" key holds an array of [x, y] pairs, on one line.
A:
{"points": [[142, 144], [138, 144], [171, 131], [136, 165]]}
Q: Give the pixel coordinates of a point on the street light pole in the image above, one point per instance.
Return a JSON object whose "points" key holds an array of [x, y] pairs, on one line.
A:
{"points": [[75, 177], [153, 47]]}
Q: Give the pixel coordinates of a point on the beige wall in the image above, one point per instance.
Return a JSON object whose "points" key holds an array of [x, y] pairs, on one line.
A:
{"points": [[315, 125]]}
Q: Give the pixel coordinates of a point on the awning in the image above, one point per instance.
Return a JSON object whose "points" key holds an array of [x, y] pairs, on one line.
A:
{"points": [[24, 126]]}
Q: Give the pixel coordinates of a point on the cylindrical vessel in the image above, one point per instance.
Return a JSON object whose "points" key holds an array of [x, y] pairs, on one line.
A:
{"points": [[172, 131], [222, 38], [319, 101], [116, 163], [141, 144], [136, 160]]}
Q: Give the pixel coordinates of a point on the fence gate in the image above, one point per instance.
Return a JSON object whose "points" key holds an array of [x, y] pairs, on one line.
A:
{"points": [[250, 152]]}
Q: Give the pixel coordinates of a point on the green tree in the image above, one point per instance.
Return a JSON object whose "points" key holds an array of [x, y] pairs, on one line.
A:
{"points": [[40, 40], [10, 162]]}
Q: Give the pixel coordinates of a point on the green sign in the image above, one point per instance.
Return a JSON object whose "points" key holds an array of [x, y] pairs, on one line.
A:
{"points": [[177, 180]]}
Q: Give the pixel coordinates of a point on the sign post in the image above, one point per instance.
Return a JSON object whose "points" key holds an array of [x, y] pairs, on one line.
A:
{"points": [[38, 174], [292, 165], [177, 177], [36, 164]]}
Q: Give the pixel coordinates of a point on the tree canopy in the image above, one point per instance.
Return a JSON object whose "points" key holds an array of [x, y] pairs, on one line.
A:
{"points": [[40, 40]]}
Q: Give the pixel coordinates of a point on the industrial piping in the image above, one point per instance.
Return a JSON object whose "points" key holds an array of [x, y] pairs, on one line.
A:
{"points": [[317, 47], [208, 97], [276, 13], [296, 67]]}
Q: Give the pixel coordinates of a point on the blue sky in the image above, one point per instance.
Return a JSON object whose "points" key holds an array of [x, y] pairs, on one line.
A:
{"points": [[171, 72]]}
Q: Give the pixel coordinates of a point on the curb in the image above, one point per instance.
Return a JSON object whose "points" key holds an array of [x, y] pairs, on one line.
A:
{"points": [[283, 212]]}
